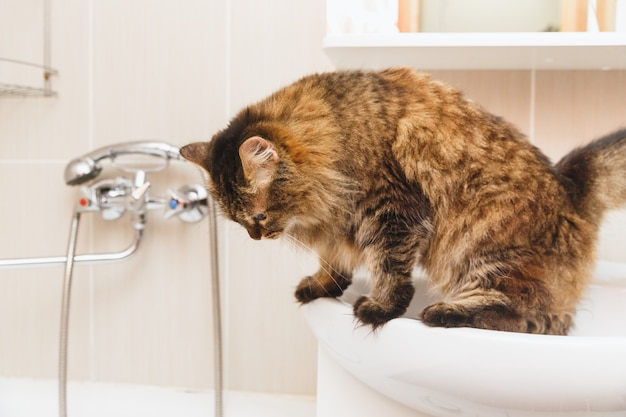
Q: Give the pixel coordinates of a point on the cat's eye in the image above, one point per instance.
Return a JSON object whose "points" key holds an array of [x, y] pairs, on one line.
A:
{"points": [[259, 217]]}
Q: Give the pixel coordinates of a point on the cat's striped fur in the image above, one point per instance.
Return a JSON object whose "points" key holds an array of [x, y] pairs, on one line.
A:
{"points": [[390, 169]]}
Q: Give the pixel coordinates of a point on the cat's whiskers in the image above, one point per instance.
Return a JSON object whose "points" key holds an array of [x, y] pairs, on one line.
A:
{"points": [[324, 265]]}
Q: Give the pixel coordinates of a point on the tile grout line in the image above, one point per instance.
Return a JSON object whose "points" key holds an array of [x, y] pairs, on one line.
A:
{"points": [[91, 368]]}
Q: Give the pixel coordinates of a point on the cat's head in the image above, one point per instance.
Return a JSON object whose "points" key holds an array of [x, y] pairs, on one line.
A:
{"points": [[251, 179]]}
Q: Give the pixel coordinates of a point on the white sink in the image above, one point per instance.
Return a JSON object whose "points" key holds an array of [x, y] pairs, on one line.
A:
{"points": [[473, 372]]}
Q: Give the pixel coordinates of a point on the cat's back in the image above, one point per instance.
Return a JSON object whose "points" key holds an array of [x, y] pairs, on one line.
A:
{"points": [[351, 110], [349, 94]]}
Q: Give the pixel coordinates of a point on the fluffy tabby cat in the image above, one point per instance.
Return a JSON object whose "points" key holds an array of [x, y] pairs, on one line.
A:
{"points": [[391, 169]]}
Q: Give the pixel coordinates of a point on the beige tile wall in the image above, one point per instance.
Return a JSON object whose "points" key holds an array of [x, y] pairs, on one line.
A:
{"points": [[573, 107], [127, 71], [176, 71]]}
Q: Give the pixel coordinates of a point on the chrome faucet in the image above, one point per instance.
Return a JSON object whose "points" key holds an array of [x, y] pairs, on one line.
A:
{"points": [[112, 197], [115, 196]]}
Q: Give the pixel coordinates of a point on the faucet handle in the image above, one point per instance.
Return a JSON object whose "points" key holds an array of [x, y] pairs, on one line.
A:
{"points": [[189, 203], [87, 201], [106, 196], [139, 194]]}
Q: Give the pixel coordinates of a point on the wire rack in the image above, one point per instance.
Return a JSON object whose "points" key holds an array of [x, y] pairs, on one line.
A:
{"points": [[9, 89], [22, 90], [45, 88]]}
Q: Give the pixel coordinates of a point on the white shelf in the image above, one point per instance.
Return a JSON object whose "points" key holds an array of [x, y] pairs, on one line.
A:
{"points": [[513, 50]]}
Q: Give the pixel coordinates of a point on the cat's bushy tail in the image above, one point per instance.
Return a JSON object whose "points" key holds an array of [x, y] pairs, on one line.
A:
{"points": [[595, 175]]}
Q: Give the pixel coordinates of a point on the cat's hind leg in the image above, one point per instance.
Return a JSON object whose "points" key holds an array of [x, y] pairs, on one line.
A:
{"points": [[484, 311], [511, 304]]}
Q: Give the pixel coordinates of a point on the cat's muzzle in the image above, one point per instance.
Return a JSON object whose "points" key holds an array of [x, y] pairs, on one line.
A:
{"points": [[258, 232]]}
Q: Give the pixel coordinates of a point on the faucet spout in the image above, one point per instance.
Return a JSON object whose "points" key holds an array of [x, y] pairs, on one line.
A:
{"points": [[87, 259]]}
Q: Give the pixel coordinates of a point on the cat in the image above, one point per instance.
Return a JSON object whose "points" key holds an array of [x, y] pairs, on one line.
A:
{"points": [[391, 169]]}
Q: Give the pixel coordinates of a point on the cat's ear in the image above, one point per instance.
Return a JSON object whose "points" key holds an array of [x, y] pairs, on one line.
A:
{"points": [[197, 152], [259, 160]]}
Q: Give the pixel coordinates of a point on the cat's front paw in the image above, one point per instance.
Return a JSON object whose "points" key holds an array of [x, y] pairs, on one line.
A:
{"points": [[374, 313], [306, 291], [310, 289]]}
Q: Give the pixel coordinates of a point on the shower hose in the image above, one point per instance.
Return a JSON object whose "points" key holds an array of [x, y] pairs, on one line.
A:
{"points": [[217, 317]]}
